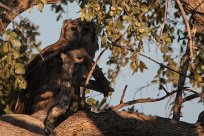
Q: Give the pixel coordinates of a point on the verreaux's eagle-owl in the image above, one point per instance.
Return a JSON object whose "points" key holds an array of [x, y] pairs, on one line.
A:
{"points": [[46, 78]]}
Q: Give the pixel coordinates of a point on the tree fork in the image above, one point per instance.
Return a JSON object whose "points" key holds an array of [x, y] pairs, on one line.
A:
{"points": [[109, 123], [181, 83]]}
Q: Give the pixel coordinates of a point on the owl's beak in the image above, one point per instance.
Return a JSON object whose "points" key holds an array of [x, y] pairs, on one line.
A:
{"points": [[79, 35], [78, 55]]}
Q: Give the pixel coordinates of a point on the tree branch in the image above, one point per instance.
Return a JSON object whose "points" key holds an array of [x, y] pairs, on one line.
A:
{"points": [[14, 10], [5, 6], [145, 100], [90, 74], [161, 64], [190, 41], [196, 8], [123, 94], [165, 15], [193, 96], [181, 83], [107, 123]]}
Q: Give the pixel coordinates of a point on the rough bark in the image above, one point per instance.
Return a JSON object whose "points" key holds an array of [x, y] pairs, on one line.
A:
{"points": [[20, 125], [181, 84], [102, 124], [109, 123], [15, 8], [196, 7]]}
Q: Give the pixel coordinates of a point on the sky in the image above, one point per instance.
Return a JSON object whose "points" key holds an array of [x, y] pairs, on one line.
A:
{"points": [[49, 29]]}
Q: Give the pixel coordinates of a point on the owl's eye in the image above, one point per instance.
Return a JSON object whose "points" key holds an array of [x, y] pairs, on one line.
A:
{"points": [[73, 28], [86, 29]]}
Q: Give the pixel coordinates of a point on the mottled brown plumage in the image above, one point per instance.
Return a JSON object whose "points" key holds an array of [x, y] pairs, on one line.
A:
{"points": [[56, 79]]}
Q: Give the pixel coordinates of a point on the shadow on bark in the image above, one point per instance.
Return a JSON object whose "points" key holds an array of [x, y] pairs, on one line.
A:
{"points": [[23, 121], [108, 123], [111, 123]]}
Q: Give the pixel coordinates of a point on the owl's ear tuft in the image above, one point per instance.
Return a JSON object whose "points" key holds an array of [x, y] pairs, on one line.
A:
{"points": [[63, 56], [66, 23], [95, 35]]}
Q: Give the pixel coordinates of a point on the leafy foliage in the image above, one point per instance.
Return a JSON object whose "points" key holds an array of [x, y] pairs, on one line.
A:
{"points": [[133, 25], [15, 52], [126, 28], [129, 26]]}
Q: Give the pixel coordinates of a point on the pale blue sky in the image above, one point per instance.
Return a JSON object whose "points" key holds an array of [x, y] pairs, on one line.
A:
{"points": [[50, 30]]}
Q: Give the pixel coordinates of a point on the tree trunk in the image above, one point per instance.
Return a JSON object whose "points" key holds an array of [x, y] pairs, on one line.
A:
{"points": [[15, 8], [109, 123], [98, 124]]}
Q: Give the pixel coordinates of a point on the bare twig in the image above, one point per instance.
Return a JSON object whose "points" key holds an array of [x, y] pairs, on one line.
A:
{"points": [[181, 83], [164, 89], [16, 9], [90, 74], [5, 6], [190, 90], [161, 64], [193, 96], [140, 89], [121, 105], [165, 15], [123, 94], [34, 45], [15, 12], [190, 41]]}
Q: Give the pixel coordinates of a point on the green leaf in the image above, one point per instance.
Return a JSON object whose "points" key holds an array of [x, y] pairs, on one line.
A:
{"points": [[202, 67], [6, 47], [113, 8], [16, 43], [143, 65], [40, 6], [91, 101], [13, 34], [21, 82], [144, 8], [7, 37], [127, 7], [44, 1], [112, 13], [16, 54], [127, 18], [19, 68], [87, 91], [164, 35], [120, 25]]}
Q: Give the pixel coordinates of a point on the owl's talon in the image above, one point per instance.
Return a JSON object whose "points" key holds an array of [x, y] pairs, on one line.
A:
{"points": [[49, 127]]}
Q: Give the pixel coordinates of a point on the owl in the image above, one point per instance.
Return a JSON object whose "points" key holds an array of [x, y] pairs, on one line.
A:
{"points": [[58, 74]]}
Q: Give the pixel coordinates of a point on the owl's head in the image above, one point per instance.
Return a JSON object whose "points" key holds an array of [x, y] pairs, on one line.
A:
{"points": [[80, 34]]}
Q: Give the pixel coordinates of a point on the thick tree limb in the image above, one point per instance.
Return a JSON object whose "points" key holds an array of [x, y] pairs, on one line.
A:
{"points": [[145, 100], [123, 94], [193, 96], [165, 16], [190, 41], [181, 83], [90, 74], [110, 123], [15, 8], [196, 7], [20, 125], [159, 63]]}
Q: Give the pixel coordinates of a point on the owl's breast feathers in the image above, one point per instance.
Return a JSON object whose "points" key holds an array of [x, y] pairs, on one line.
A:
{"points": [[45, 77]]}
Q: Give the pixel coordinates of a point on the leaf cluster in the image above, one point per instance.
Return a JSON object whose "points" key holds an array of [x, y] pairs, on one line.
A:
{"points": [[15, 51]]}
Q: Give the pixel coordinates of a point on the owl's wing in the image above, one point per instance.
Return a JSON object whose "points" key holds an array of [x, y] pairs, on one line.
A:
{"points": [[39, 84], [101, 84]]}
